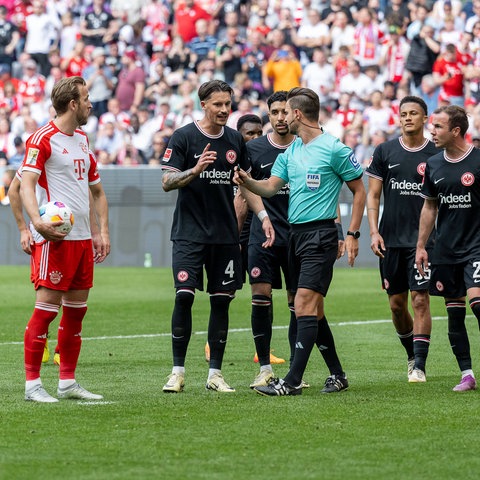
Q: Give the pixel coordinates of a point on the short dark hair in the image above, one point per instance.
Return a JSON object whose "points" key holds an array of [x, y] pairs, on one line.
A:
{"points": [[414, 99], [248, 118], [208, 88], [280, 96], [305, 100], [457, 117]]}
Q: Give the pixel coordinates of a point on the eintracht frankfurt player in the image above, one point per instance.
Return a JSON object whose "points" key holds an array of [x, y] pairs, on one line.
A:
{"points": [[199, 161], [397, 169], [452, 200]]}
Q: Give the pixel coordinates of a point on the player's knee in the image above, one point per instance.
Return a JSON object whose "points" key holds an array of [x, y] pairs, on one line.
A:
{"points": [[261, 300], [220, 302], [475, 306], [184, 298], [420, 301]]}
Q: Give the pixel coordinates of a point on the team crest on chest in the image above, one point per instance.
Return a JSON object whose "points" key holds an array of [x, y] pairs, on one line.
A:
{"points": [[231, 156], [313, 181], [467, 179], [84, 147], [421, 168]]}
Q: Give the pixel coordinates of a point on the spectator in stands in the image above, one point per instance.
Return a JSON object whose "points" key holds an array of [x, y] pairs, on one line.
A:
{"points": [[377, 116], [6, 138], [319, 76], [159, 144], [31, 87], [69, 34], [448, 73], [131, 82], [329, 13], [9, 38], [16, 159], [368, 39], [394, 55], [114, 114], [75, 62], [42, 30], [98, 27], [348, 116], [357, 84], [229, 55], [178, 56], [108, 144], [7, 179], [142, 129], [254, 56], [282, 70], [309, 36], [186, 14], [202, 44], [341, 33], [424, 50], [99, 80]]}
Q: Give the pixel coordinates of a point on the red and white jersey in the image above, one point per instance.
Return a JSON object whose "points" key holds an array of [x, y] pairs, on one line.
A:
{"points": [[66, 167]]}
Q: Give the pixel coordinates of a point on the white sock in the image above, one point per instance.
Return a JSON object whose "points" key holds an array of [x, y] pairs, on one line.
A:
{"points": [[32, 383], [267, 368], [467, 372], [178, 370], [66, 383], [213, 371]]}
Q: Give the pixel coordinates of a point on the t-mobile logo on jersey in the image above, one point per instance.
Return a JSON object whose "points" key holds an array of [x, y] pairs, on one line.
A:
{"points": [[79, 167]]}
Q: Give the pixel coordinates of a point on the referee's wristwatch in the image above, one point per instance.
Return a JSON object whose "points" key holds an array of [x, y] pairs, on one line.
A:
{"points": [[355, 234]]}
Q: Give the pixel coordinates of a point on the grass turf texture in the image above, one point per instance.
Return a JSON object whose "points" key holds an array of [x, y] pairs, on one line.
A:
{"points": [[382, 427]]}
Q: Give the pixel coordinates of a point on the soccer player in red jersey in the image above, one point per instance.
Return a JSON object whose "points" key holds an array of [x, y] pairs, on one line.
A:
{"points": [[58, 165]]}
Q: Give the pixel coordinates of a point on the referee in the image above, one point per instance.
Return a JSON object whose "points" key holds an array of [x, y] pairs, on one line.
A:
{"points": [[315, 166]]}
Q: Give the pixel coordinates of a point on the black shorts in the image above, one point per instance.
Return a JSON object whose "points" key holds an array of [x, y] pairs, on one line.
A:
{"points": [[265, 265], [453, 281], [399, 272], [222, 264], [312, 251]]}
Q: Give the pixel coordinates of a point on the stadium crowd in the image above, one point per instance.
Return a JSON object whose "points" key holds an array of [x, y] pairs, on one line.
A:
{"points": [[144, 60]]}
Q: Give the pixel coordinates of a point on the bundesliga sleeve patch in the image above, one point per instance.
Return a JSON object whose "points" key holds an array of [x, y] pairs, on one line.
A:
{"points": [[32, 156], [354, 161], [167, 155]]}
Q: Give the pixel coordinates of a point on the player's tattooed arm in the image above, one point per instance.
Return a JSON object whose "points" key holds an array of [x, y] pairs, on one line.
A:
{"points": [[173, 180]]}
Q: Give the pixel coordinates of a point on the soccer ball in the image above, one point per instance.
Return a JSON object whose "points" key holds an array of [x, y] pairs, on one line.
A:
{"points": [[56, 212]]}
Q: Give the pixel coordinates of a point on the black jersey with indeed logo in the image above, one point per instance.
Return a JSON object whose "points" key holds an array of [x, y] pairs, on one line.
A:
{"points": [[262, 153], [205, 211], [455, 184], [401, 170]]}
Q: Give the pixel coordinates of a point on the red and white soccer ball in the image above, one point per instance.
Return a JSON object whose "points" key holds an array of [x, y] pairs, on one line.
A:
{"points": [[56, 212]]}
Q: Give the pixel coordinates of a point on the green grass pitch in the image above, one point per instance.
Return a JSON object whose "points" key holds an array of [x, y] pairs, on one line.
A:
{"points": [[381, 428]]}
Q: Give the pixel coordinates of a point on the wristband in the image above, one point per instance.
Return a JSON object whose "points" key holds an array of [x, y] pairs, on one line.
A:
{"points": [[340, 231], [262, 214]]}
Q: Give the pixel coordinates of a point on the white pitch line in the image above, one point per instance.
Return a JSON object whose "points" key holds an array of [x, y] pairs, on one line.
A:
{"points": [[231, 330]]}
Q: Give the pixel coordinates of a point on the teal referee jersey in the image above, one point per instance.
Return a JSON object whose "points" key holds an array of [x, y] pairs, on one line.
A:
{"points": [[315, 173]]}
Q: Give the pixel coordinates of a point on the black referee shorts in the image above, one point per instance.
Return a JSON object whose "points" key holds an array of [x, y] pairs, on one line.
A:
{"points": [[312, 251]]}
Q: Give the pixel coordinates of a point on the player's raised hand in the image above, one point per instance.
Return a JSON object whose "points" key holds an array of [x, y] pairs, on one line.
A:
{"points": [[206, 158]]}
